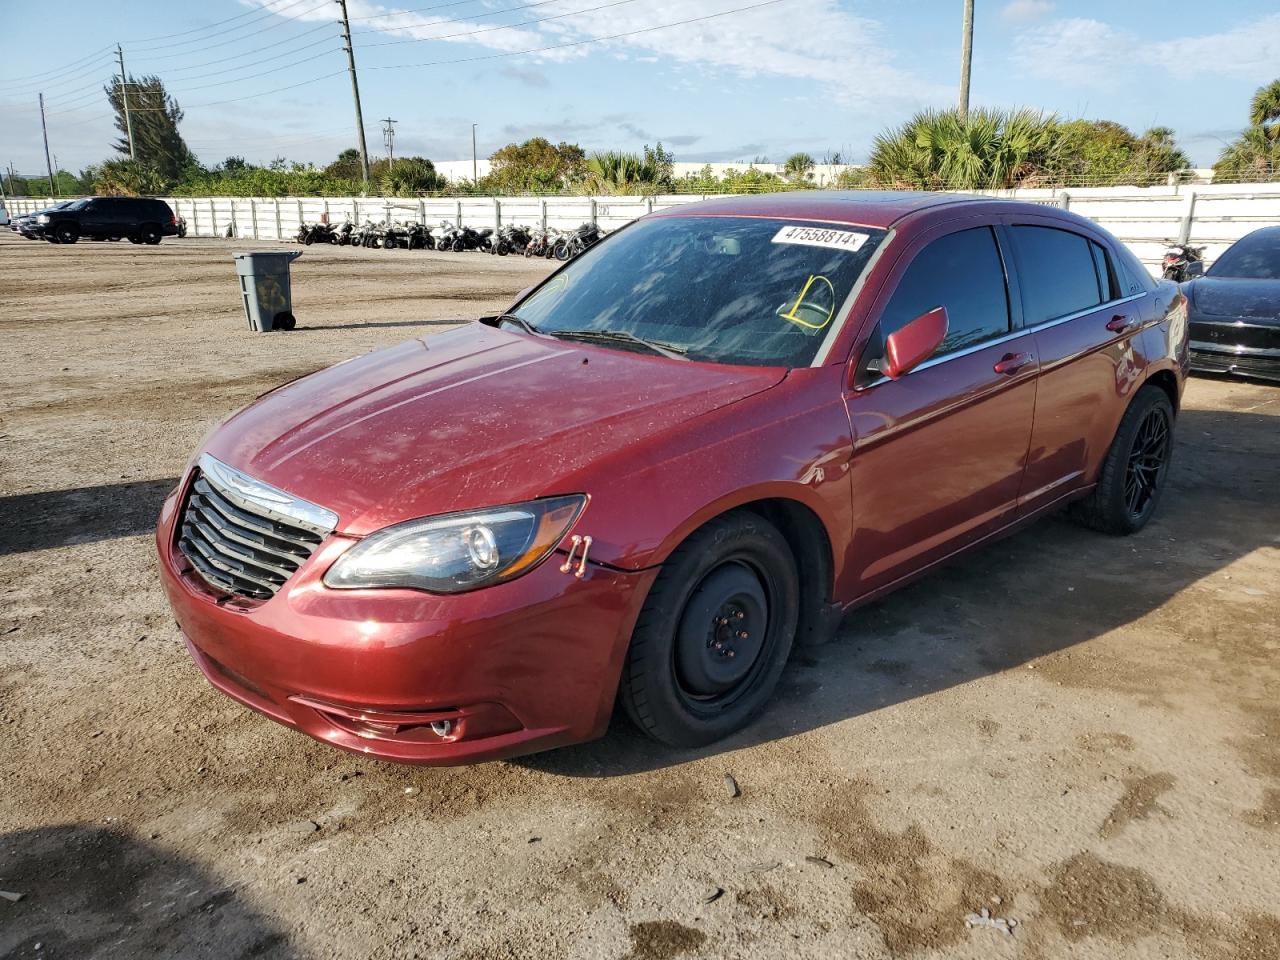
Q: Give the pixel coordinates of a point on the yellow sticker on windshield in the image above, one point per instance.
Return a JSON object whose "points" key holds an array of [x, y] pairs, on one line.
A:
{"points": [[809, 310]]}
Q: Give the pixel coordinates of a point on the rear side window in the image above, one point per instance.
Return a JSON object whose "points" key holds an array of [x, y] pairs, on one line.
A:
{"points": [[962, 272], [1058, 273]]}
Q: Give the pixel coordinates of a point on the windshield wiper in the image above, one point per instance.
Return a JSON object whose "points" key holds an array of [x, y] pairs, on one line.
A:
{"points": [[671, 350], [520, 322]]}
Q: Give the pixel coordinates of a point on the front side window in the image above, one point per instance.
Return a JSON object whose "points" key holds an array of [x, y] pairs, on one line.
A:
{"points": [[1058, 273], [962, 272], [740, 290]]}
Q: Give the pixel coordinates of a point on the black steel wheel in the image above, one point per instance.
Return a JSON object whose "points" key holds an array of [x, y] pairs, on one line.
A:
{"points": [[714, 633], [66, 233], [1136, 467], [149, 234]]}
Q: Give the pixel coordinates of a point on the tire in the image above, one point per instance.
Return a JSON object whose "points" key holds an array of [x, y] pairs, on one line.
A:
{"points": [[1135, 470], [149, 234], [457, 246], [730, 589], [66, 233], [114, 239]]}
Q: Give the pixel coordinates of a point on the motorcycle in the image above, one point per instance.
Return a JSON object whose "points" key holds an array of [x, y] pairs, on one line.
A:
{"points": [[182, 227], [343, 235], [575, 242], [309, 233], [509, 239], [1182, 262]]}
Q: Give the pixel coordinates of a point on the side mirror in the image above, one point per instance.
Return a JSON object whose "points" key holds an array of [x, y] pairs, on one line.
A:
{"points": [[911, 345], [1194, 269]]}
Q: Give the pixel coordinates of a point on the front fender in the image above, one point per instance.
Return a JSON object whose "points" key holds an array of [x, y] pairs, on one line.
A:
{"points": [[792, 442]]}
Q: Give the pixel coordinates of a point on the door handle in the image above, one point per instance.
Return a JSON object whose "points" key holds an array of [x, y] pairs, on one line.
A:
{"points": [[1122, 324], [1011, 363]]}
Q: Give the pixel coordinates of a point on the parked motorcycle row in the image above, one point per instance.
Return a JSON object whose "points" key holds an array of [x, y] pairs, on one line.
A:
{"points": [[410, 235]]}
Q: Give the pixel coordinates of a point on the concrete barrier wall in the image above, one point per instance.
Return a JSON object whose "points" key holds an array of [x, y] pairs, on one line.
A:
{"points": [[1145, 219]]}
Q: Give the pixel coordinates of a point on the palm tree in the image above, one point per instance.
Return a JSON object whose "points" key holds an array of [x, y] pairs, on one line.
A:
{"points": [[615, 172], [799, 166], [1253, 157], [987, 149], [1264, 110]]}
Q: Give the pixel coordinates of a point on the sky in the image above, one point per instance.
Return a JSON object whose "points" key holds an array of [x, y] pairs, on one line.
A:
{"points": [[745, 79]]}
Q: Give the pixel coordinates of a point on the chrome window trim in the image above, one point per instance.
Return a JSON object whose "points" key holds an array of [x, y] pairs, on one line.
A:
{"points": [[1012, 335], [262, 498]]}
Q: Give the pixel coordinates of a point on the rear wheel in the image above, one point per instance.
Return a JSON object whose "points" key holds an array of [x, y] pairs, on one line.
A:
{"points": [[714, 634], [1134, 471], [149, 234]]}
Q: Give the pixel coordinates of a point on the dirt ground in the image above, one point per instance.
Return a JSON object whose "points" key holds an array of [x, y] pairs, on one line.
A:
{"points": [[1078, 733]]}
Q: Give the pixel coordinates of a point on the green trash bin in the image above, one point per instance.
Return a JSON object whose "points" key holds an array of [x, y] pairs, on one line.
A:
{"points": [[264, 284]]}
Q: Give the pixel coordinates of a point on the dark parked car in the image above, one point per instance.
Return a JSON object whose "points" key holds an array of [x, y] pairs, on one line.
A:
{"points": [[26, 224], [701, 440], [140, 219], [1235, 309]]}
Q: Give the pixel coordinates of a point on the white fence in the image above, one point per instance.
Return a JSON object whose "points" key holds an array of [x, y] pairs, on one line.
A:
{"points": [[1146, 219]]}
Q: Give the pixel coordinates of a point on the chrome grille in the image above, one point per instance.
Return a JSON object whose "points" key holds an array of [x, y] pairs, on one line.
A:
{"points": [[238, 535]]}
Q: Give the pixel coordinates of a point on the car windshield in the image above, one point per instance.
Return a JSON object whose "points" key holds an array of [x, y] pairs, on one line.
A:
{"points": [[1255, 257], [739, 290]]}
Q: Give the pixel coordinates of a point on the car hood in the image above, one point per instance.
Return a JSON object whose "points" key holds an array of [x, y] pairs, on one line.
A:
{"points": [[470, 418], [1235, 298]]}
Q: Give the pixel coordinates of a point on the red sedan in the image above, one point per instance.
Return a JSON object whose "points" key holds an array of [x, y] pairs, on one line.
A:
{"points": [[699, 443]]}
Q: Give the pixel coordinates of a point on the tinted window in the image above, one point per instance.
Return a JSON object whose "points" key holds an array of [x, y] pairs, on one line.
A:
{"points": [[724, 289], [1256, 256], [962, 272], [1057, 273], [1132, 276], [1106, 286]]}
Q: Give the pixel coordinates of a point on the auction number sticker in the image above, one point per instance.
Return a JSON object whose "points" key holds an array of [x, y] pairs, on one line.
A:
{"points": [[821, 237]]}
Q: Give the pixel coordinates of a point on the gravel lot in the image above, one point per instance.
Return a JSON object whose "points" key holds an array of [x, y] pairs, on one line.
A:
{"points": [[1077, 732]]}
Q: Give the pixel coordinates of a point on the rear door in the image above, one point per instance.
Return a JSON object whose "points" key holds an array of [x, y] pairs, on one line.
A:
{"points": [[1086, 325], [939, 453]]}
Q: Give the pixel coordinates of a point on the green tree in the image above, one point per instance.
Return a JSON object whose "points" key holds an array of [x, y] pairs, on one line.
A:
{"points": [[1264, 109], [987, 149], [407, 177], [127, 178], [535, 166], [614, 172], [663, 163], [347, 166], [1255, 154], [155, 117], [799, 166]]}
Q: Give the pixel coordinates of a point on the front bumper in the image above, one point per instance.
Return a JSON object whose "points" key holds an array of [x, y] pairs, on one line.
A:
{"points": [[1245, 347], [515, 668]]}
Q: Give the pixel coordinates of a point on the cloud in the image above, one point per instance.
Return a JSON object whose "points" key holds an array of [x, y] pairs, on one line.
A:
{"points": [[529, 76], [1020, 11], [681, 140], [1083, 51], [809, 40]]}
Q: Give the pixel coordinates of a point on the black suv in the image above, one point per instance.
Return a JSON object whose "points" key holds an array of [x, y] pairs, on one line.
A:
{"points": [[140, 219]]}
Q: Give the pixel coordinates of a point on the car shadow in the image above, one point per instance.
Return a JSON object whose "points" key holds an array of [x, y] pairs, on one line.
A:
{"points": [[90, 891], [59, 518], [1051, 587]]}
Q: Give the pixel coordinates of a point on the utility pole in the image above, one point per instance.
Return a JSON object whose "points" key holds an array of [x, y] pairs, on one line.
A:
{"points": [[47, 160], [57, 192], [966, 58], [389, 140], [124, 96], [355, 88], [475, 166]]}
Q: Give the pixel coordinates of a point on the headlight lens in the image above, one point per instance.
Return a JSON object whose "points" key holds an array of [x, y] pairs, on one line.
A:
{"points": [[458, 551], [43, 218]]}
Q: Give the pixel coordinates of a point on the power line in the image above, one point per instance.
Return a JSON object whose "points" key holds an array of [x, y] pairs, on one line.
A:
{"points": [[39, 77], [203, 41], [218, 23], [236, 56], [441, 22]]}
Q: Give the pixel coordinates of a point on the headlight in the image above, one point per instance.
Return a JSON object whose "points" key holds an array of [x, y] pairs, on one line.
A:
{"points": [[458, 551], [43, 218]]}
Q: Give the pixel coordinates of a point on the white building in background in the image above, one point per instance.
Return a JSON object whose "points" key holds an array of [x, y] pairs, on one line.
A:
{"points": [[824, 174]]}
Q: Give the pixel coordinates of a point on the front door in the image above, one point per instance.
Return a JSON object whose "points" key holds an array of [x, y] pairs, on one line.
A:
{"points": [[939, 453]]}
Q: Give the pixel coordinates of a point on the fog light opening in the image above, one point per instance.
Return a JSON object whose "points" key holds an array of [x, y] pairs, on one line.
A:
{"points": [[442, 728]]}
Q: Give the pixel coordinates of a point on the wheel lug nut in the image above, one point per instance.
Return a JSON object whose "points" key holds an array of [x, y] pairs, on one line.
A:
{"points": [[739, 615], [728, 653], [742, 635]]}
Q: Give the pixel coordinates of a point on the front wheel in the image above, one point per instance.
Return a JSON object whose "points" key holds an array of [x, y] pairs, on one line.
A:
{"points": [[1134, 471], [67, 233], [714, 633]]}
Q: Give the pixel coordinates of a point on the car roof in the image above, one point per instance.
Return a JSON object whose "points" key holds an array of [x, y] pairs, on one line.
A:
{"points": [[869, 208]]}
